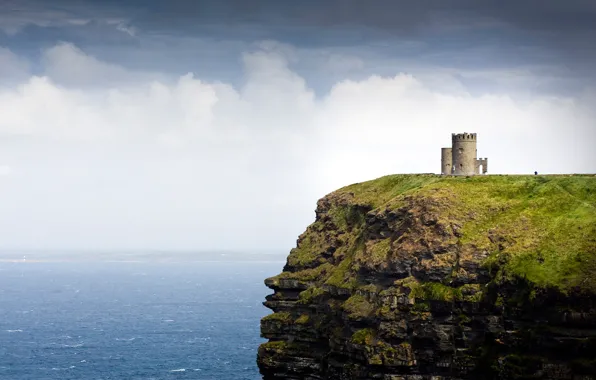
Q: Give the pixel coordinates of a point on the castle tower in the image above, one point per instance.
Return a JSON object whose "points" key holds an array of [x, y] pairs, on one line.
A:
{"points": [[464, 153], [446, 161]]}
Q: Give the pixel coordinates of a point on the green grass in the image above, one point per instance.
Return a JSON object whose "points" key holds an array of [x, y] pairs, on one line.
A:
{"points": [[342, 276], [302, 320], [377, 252], [363, 336], [306, 275], [377, 192], [274, 345], [283, 317], [434, 291], [310, 295], [346, 217], [547, 224], [309, 248], [538, 228], [358, 307]]}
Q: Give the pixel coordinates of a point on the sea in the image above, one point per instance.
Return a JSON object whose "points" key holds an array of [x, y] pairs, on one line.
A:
{"points": [[144, 315]]}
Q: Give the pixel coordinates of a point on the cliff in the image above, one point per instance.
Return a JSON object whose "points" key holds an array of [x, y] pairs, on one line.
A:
{"points": [[429, 277]]}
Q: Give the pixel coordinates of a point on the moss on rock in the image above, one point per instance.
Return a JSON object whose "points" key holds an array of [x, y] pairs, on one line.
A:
{"points": [[358, 307]]}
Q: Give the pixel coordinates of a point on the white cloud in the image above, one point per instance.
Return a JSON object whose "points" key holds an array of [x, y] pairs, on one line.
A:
{"points": [[67, 64], [388, 125], [130, 30], [122, 26], [78, 21], [5, 170], [191, 164]]}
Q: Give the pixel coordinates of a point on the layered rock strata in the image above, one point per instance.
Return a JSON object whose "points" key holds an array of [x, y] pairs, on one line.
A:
{"points": [[427, 277]]}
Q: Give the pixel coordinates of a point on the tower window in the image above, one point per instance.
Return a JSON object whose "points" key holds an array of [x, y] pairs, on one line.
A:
{"points": [[461, 150]]}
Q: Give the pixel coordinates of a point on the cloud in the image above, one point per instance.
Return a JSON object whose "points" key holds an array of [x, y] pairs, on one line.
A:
{"points": [[343, 64], [122, 26], [567, 29], [131, 31], [67, 64], [486, 48], [385, 125], [196, 164], [12, 67], [5, 170], [395, 15], [15, 15]]}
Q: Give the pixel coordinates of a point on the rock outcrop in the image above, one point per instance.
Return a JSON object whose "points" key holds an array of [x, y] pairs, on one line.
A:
{"points": [[429, 277]]}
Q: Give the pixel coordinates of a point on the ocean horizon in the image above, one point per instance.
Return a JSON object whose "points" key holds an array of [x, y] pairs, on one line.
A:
{"points": [[132, 315]]}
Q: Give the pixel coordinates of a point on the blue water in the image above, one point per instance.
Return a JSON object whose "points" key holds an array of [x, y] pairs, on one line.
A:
{"points": [[115, 320]]}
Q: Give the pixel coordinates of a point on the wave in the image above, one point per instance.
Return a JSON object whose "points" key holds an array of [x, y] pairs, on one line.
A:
{"points": [[63, 369]]}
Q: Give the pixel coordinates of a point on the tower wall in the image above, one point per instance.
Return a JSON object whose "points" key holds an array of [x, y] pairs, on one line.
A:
{"points": [[446, 161], [464, 153], [482, 162]]}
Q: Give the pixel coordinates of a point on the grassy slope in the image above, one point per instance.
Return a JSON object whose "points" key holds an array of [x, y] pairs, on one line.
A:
{"points": [[548, 223]]}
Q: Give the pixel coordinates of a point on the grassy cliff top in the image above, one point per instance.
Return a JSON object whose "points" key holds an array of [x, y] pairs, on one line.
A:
{"points": [[379, 191], [541, 229], [547, 223]]}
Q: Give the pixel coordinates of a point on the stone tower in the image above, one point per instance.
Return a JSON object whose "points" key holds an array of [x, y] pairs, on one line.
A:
{"points": [[463, 149], [461, 159], [446, 161]]}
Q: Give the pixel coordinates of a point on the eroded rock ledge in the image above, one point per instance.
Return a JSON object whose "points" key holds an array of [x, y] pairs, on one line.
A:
{"points": [[427, 277]]}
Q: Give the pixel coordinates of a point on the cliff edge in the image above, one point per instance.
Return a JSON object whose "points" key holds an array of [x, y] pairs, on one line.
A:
{"points": [[430, 277]]}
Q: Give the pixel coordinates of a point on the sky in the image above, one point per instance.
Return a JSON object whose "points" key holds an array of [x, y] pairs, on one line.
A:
{"points": [[217, 125]]}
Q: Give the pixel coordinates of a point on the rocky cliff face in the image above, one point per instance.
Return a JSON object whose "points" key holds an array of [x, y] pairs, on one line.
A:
{"points": [[427, 277]]}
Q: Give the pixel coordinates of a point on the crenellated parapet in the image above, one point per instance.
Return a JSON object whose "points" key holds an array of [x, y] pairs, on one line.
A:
{"points": [[463, 137]]}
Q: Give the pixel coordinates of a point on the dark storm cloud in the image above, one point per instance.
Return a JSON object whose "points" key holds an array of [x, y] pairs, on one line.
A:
{"points": [[458, 33], [566, 28], [568, 25], [390, 15], [404, 16], [556, 37]]}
